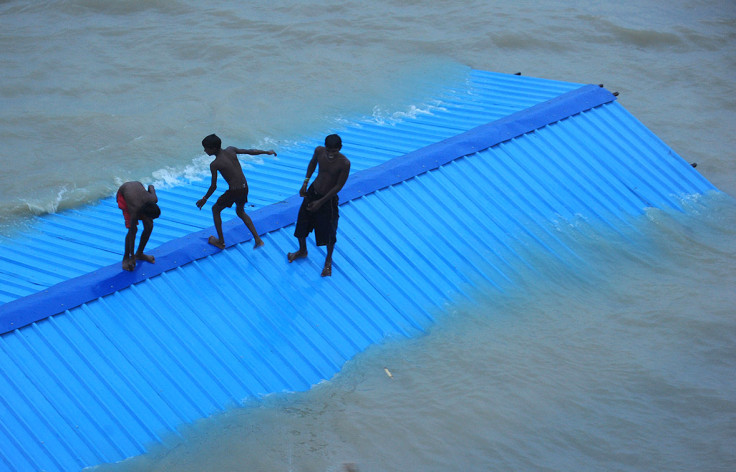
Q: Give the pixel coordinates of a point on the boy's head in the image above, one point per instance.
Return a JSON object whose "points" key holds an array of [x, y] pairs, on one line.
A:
{"points": [[333, 142], [212, 142], [151, 211]]}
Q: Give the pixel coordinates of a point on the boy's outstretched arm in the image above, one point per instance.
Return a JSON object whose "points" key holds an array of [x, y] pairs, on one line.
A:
{"points": [[254, 152]]}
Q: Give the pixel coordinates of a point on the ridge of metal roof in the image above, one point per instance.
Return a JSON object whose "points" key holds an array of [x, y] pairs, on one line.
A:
{"points": [[102, 381]]}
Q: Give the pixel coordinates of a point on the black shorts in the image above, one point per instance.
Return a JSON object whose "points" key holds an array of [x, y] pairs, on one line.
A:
{"points": [[322, 221], [238, 195]]}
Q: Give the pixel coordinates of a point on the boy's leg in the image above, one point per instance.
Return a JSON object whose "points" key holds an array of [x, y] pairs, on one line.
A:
{"points": [[147, 230], [129, 256], [332, 235], [240, 211], [301, 233], [302, 252], [220, 241], [327, 269]]}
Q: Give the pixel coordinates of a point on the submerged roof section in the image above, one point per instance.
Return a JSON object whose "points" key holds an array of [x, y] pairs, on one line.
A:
{"points": [[102, 381]]}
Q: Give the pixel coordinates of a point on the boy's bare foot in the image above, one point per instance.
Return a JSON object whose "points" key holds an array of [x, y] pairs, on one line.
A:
{"points": [[216, 242], [145, 257], [327, 271], [129, 264], [292, 256], [258, 244]]}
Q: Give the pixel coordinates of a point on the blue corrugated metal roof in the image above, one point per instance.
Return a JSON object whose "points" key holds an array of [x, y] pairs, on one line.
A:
{"points": [[38, 259], [74, 292], [101, 381]]}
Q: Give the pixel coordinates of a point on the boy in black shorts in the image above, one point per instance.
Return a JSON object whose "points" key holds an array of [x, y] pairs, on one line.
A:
{"points": [[318, 211], [226, 162]]}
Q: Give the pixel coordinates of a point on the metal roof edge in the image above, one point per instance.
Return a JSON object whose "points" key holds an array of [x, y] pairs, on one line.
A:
{"points": [[107, 280]]}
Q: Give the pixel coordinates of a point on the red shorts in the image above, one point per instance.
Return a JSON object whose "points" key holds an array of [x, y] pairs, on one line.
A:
{"points": [[124, 206]]}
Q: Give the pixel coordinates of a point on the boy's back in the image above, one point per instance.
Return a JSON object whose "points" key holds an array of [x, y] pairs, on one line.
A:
{"points": [[227, 163]]}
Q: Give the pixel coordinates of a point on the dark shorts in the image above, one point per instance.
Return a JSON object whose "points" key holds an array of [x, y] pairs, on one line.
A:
{"points": [[322, 221], [123, 205], [239, 196]]}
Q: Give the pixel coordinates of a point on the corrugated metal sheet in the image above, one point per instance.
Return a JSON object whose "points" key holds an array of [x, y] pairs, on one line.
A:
{"points": [[102, 381], [39, 258]]}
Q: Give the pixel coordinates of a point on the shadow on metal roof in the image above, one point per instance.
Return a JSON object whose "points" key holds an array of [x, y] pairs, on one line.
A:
{"points": [[97, 363]]}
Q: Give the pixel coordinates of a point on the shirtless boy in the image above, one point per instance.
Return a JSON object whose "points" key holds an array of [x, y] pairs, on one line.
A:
{"points": [[226, 162], [319, 211], [138, 204]]}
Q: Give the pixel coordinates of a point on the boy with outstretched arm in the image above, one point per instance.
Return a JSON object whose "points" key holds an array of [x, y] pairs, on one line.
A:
{"points": [[226, 163]]}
